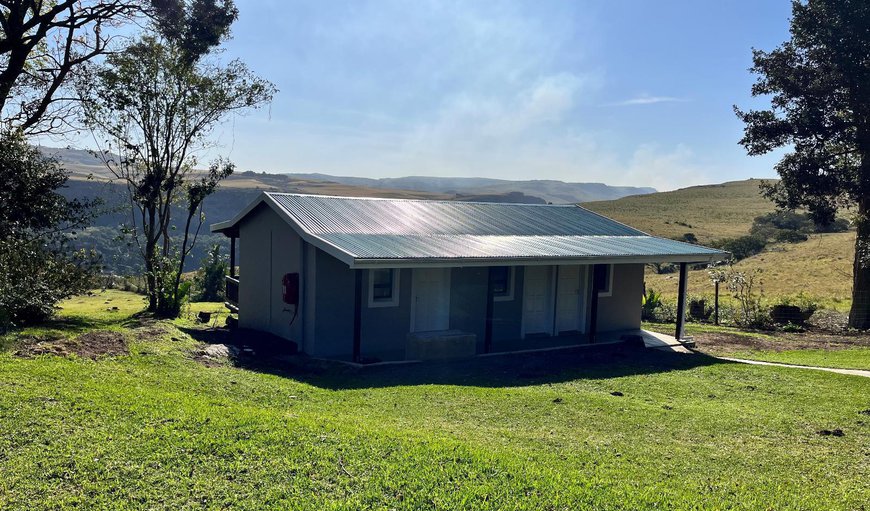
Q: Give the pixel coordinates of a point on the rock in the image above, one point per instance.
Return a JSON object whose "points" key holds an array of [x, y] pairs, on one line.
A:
{"points": [[617, 393], [220, 351]]}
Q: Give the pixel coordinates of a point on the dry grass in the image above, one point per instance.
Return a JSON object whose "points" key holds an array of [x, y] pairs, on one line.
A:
{"points": [[710, 212], [820, 267]]}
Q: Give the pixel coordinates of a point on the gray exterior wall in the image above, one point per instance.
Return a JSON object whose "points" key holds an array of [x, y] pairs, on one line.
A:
{"points": [[385, 329], [268, 249], [333, 308], [621, 310]]}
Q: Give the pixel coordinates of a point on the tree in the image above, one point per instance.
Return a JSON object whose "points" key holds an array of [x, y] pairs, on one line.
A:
{"points": [[36, 267], [44, 43], [211, 275], [819, 88], [156, 107]]}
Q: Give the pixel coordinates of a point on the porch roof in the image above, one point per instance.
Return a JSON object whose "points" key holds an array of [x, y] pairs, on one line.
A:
{"points": [[367, 232]]}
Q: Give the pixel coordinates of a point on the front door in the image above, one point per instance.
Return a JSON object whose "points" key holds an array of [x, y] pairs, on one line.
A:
{"points": [[537, 300], [569, 299], [431, 295]]}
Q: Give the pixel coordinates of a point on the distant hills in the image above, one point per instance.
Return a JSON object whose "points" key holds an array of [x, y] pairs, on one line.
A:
{"points": [[90, 179], [82, 164], [557, 192]]}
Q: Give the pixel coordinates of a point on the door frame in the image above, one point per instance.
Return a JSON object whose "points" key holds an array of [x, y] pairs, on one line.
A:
{"points": [[445, 282], [585, 277]]}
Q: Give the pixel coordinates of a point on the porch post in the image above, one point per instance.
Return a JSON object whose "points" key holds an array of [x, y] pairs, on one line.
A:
{"points": [[233, 256], [357, 314], [681, 302], [593, 301], [487, 333]]}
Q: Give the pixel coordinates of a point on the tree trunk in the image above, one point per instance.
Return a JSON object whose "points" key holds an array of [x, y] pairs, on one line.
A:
{"points": [[859, 316]]}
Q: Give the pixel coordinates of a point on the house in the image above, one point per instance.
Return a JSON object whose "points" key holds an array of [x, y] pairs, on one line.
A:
{"points": [[369, 279]]}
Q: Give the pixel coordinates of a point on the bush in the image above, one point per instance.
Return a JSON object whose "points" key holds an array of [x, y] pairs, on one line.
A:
{"points": [[742, 247], [211, 275], [699, 310], [651, 301], [783, 236]]}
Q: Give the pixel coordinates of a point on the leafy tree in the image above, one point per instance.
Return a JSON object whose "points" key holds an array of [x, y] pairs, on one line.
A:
{"points": [[210, 277], [43, 44], [819, 87], [156, 107], [36, 267]]}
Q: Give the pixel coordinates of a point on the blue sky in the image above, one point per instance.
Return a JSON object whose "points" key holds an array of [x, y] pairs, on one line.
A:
{"points": [[621, 92]]}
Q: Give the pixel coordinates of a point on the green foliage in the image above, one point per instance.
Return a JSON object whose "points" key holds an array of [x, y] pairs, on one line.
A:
{"points": [[211, 275], [37, 268], [699, 309], [742, 247], [158, 105], [818, 83], [651, 301], [745, 288]]}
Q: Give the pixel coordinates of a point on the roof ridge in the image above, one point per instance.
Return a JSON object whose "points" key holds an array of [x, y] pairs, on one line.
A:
{"points": [[400, 199]]}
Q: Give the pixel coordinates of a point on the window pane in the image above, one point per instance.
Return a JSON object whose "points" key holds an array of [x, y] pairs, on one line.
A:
{"points": [[501, 280], [382, 284], [602, 278]]}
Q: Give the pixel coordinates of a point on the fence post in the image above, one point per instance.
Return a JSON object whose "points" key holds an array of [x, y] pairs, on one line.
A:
{"points": [[716, 306]]}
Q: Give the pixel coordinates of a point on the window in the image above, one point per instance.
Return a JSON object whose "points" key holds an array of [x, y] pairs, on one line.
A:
{"points": [[383, 287], [603, 276], [502, 279]]}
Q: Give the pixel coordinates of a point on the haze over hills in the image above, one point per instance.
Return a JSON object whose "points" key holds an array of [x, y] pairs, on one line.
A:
{"points": [[91, 179], [83, 164]]}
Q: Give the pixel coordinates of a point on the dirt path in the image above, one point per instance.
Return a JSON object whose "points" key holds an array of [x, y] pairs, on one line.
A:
{"points": [[851, 372]]}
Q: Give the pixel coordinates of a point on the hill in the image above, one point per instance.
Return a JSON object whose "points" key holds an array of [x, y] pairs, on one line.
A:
{"points": [[710, 212], [84, 165], [556, 192]]}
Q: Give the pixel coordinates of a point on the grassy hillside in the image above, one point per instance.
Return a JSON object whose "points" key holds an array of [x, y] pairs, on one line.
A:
{"points": [[152, 427], [820, 267], [710, 212]]}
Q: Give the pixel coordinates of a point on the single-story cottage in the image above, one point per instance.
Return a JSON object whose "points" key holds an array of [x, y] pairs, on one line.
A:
{"points": [[368, 279]]}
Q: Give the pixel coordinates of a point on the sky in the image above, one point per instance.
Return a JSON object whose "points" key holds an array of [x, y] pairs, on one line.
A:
{"points": [[622, 92]]}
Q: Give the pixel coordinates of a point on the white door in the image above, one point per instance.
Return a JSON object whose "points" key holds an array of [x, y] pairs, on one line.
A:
{"points": [[537, 300], [431, 295], [569, 299]]}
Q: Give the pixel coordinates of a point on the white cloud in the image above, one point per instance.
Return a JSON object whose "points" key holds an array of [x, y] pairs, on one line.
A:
{"points": [[645, 99]]}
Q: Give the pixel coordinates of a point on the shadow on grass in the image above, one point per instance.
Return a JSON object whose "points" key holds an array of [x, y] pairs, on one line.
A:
{"points": [[270, 355]]}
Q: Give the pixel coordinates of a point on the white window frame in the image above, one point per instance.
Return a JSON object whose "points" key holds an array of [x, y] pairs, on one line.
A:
{"points": [[511, 286], [609, 292], [394, 299]]}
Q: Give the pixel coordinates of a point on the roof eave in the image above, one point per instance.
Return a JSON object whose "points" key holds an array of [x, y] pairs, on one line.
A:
{"points": [[433, 262]]}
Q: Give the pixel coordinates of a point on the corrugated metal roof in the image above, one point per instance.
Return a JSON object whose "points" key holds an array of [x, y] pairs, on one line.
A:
{"points": [[329, 215], [364, 231]]}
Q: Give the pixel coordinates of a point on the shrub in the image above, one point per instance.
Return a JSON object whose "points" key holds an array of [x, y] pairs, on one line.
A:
{"points": [[699, 310], [651, 301], [784, 236], [745, 287], [742, 247], [209, 278]]}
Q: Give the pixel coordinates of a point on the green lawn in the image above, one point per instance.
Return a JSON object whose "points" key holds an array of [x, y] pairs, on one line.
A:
{"points": [[158, 430]]}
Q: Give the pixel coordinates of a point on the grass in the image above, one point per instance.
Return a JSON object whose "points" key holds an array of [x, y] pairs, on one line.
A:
{"points": [[773, 347], [710, 212], [856, 358], [820, 268], [158, 430]]}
